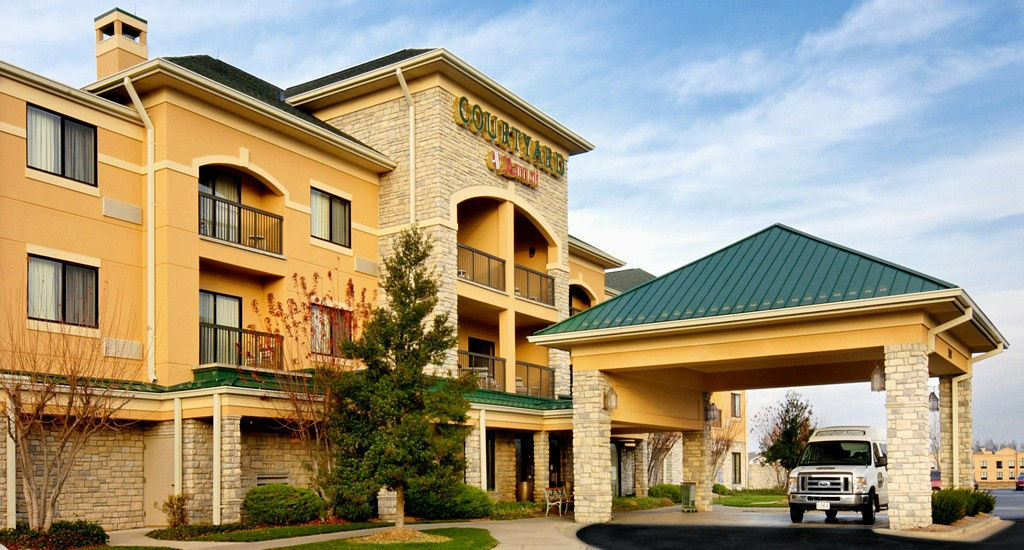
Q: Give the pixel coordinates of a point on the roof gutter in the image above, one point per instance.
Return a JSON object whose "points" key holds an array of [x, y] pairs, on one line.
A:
{"points": [[150, 231], [375, 159], [42, 83]]}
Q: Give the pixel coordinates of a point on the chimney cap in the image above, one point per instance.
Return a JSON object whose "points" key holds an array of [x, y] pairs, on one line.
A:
{"points": [[119, 10]]}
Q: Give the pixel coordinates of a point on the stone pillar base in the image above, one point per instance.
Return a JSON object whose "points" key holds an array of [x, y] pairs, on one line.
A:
{"points": [[906, 407], [387, 505], [592, 430]]}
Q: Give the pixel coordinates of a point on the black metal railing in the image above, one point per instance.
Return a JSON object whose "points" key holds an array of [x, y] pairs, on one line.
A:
{"points": [[236, 346], [534, 285], [481, 267], [575, 310], [237, 223], [488, 370], [536, 380]]}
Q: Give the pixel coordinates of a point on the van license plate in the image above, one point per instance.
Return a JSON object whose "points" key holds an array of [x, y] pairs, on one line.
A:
{"points": [[822, 506]]}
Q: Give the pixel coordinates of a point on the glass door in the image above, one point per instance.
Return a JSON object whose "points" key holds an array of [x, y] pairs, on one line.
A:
{"points": [[220, 323]]}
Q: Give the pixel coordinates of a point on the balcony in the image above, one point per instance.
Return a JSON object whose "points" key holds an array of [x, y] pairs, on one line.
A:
{"points": [[535, 286], [236, 223], [535, 380], [241, 347], [480, 267], [488, 370]]}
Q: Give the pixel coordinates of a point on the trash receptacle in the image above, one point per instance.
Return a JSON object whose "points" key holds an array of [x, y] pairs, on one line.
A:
{"points": [[689, 493]]}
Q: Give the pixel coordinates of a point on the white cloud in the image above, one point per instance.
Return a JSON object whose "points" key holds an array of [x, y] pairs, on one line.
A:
{"points": [[744, 72], [888, 23]]}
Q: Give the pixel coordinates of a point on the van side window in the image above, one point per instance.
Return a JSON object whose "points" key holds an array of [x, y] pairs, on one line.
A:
{"points": [[879, 453]]}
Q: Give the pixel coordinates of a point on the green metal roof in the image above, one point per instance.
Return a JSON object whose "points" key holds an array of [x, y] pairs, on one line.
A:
{"points": [[490, 397], [775, 268]]}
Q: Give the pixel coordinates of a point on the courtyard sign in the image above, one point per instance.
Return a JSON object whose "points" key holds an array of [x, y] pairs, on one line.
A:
{"points": [[474, 118]]}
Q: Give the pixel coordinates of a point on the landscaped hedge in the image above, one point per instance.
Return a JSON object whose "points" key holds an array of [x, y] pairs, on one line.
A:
{"points": [[61, 536], [949, 505], [280, 504], [628, 503], [666, 490], [516, 510], [720, 489], [428, 500]]}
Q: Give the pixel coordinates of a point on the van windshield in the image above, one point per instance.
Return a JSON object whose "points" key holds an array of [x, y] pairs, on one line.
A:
{"points": [[821, 453]]}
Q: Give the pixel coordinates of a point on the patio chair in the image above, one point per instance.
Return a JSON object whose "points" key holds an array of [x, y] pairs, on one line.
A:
{"points": [[554, 496]]}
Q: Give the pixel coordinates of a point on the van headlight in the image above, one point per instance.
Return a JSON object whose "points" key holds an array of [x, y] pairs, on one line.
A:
{"points": [[793, 486], [860, 485]]}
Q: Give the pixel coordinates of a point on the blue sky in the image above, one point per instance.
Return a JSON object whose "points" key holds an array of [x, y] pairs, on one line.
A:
{"points": [[896, 128]]}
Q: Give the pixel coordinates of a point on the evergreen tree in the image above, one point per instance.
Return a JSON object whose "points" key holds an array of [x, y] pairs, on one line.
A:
{"points": [[784, 429], [392, 424]]}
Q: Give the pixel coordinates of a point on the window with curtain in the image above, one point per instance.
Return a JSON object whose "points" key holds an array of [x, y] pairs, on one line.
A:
{"points": [[330, 218], [220, 321], [62, 292], [331, 328], [736, 405], [219, 218], [60, 145]]}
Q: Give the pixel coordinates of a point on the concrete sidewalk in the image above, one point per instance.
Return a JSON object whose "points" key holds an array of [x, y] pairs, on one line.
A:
{"points": [[534, 533]]}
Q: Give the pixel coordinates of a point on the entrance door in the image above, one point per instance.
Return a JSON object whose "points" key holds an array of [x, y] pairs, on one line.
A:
{"points": [[220, 321], [524, 465], [158, 472]]}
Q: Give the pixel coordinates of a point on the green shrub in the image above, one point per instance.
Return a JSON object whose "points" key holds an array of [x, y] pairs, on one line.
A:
{"points": [[76, 534], [515, 510], [626, 504], [186, 532], [720, 489], [979, 502], [175, 507], [949, 505], [61, 536], [355, 501], [666, 490], [430, 500], [280, 504]]}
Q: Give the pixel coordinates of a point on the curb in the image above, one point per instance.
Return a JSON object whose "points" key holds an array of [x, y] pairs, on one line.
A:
{"points": [[973, 533]]}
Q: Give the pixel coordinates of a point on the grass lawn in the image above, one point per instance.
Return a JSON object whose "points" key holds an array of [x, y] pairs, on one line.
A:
{"points": [[463, 538], [269, 533], [756, 499]]}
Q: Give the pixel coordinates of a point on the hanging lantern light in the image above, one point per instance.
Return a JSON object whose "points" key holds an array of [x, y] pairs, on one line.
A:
{"points": [[933, 402], [611, 400], [878, 378]]}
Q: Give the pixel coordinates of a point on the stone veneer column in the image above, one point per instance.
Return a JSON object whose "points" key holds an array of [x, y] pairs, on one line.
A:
{"points": [[197, 468], [696, 457], [472, 455], [592, 430], [906, 404], [387, 505], [965, 420], [231, 469], [541, 464], [640, 469], [946, 430]]}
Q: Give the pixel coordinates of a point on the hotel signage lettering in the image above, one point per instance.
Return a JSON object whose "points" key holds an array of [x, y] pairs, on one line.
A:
{"points": [[504, 166], [474, 118]]}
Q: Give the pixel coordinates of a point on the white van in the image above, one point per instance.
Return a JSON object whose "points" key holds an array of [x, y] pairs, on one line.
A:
{"points": [[842, 469]]}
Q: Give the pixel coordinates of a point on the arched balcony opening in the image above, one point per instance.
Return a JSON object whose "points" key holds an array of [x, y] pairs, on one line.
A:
{"points": [[531, 258], [235, 207], [479, 241], [579, 299]]}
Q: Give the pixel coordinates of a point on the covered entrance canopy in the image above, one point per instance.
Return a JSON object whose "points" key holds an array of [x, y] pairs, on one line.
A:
{"points": [[779, 308]]}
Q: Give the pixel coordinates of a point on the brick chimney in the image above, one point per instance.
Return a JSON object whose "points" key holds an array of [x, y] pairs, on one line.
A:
{"points": [[120, 42]]}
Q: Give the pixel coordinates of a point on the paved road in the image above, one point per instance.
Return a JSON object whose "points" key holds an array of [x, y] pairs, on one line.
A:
{"points": [[744, 528]]}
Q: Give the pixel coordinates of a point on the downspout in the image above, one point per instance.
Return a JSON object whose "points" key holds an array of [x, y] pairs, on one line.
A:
{"points": [[150, 232], [954, 395], [412, 146]]}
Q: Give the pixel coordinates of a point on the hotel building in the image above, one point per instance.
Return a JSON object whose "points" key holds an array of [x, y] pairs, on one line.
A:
{"points": [[149, 210]]}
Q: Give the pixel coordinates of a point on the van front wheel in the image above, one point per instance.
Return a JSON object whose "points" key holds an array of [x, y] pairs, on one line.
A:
{"points": [[796, 515], [867, 513]]}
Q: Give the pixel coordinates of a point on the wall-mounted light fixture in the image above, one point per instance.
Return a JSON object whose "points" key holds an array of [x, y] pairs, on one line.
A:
{"points": [[933, 402], [878, 378], [611, 400]]}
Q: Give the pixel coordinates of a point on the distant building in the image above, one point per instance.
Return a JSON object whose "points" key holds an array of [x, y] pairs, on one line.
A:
{"points": [[998, 468]]}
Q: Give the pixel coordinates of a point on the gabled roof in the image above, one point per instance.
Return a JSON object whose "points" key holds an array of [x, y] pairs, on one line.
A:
{"points": [[778, 267], [589, 252], [626, 279], [354, 71], [252, 86]]}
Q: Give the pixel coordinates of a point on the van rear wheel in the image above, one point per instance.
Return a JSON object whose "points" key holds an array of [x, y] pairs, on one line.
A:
{"points": [[796, 515]]}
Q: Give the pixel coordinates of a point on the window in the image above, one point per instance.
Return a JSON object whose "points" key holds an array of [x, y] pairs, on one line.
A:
{"points": [[60, 145], [220, 322], [490, 461], [984, 464], [331, 328], [736, 405], [220, 195], [62, 292], [267, 479], [999, 464], [999, 475], [330, 218], [1011, 464], [984, 475], [737, 468]]}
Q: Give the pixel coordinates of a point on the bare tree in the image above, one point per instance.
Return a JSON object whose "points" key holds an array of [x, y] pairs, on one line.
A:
{"points": [[935, 439], [722, 440], [312, 324], [62, 385], [660, 445]]}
